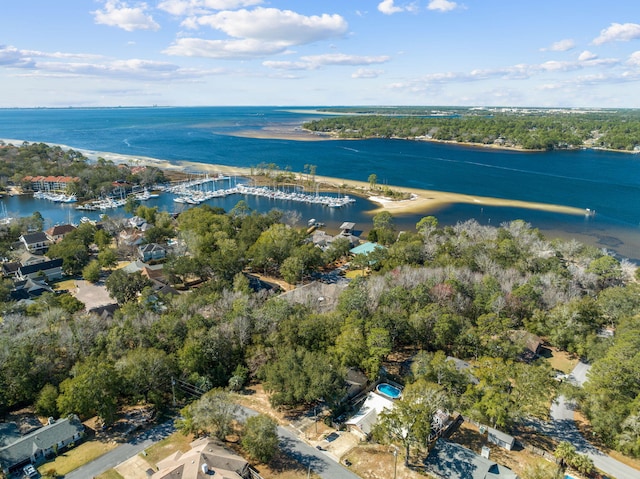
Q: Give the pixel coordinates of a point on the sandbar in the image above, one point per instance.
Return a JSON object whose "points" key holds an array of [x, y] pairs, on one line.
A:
{"points": [[421, 201]]}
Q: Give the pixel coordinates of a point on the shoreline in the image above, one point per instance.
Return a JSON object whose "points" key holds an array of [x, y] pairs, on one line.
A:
{"points": [[308, 135], [421, 201]]}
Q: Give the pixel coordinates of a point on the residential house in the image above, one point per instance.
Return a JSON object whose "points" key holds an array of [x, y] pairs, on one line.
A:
{"points": [[448, 460], [35, 242], [49, 183], [500, 438], [56, 233], [51, 270], [151, 252], [131, 238], [10, 268], [29, 288], [356, 381], [27, 258], [363, 421], [206, 458], [44, 442]]}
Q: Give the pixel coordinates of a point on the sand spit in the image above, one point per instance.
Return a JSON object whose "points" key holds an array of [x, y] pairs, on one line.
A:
{"points": [[421, 201]]}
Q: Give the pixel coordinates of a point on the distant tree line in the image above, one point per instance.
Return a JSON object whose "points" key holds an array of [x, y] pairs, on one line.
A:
{"points": [[616, 130]]}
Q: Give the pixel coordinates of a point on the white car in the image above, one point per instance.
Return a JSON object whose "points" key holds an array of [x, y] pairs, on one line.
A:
{"points": [[30, 471]]}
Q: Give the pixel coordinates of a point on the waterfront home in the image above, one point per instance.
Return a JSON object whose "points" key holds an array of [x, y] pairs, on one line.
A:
{"points": [[49, 183], [35, 447], [37, 242], [205, 458], [56, 233], [151, 252]]}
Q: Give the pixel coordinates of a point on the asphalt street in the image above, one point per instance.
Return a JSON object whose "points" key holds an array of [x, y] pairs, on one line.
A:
{"points": [[294, 447], [562, 427]]}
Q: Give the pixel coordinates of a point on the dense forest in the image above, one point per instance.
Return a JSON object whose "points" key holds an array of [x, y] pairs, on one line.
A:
{"points": [[469, 291], [529, 130]]}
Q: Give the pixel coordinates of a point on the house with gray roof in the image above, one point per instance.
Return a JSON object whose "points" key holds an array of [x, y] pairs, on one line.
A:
{"points": [[448, 460], [51, 270], [35, 242], [35, 447], [151, 251]]}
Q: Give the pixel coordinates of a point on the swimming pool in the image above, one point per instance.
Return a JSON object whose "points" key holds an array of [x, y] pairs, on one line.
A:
{"points": [[388, 390]]}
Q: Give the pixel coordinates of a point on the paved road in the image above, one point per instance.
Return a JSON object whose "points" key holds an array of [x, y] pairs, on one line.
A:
{"points": [[123, 452], [320, 463], [562, 427], [294, 447]]}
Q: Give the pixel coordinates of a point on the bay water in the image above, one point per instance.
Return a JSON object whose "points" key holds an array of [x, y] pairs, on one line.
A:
{"points": [[606, 182]]}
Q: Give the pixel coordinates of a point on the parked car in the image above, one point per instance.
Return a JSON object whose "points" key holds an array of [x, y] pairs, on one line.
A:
{"points": [[30, 471]]}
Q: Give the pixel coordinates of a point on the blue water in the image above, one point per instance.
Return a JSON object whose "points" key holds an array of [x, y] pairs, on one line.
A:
{"points": [[389, 390], [603, 181]]}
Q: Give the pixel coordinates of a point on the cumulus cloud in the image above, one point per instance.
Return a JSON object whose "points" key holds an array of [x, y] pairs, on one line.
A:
{"points": [[561, 46], [388, 8], [119, 14], [258, 32], [366, 73], [634, 59], [272, 24], [618, 32], [442, 5], [586, 56], [195, 7]]}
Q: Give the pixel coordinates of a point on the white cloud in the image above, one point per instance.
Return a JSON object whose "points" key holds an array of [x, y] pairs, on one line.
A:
{"points": [[284, 65], [366, 73], [634, 59], [344, 59], [313, 62], [561, 46], [618, 32], [119, 14], [388, 8], [586, 56], [194, 7], [224, 49], [442, 5], [273, 25]]}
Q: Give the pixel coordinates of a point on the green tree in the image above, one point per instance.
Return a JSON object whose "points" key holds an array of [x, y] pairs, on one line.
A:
{"points": [[93, 388], [125, 287], [107, 257], [214, 412], [91, 272], [409, 421], [260, 438], [373, 180], [46, 404]]}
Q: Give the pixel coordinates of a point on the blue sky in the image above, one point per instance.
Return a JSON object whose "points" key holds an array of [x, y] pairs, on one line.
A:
{"points": [[548, 53]]}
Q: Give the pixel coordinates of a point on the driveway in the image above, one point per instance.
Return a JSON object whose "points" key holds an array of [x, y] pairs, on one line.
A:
{"points": [[562, 427], [318, 461], [92, 295], [123, 452]]}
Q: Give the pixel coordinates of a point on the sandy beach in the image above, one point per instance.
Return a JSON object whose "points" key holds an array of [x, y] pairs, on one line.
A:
{"points": [[421, 201]]}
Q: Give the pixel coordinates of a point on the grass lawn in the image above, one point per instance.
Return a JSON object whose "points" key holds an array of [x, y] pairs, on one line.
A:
{"points": [[110, 474], [176, 442], [355, 273], [560, 360], [69, 284], [76, 457]]}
